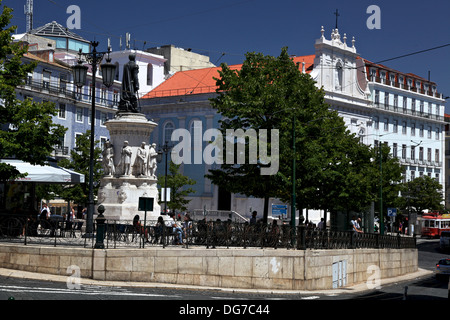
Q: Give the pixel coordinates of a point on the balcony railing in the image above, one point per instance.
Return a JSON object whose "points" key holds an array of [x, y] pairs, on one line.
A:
{"points": [[62, 90], [392, 108], [406, 87]]}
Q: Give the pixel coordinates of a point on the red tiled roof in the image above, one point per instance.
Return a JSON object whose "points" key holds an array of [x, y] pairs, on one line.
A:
{"points": [[201, 80]]}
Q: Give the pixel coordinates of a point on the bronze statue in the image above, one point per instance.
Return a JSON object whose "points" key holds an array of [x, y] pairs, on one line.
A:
{"points": [[130, 86]]}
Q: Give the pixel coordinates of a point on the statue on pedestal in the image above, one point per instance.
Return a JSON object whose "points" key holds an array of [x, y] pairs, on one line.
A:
{"points": [[152, 162], [130, 86], [125, 160], [140, 163], [108, 159]]}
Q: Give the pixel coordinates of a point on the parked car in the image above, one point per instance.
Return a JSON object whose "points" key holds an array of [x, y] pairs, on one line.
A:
{"points": [[443, 268], [444, 242]]}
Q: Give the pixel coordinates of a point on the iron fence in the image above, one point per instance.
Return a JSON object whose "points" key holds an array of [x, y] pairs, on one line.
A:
{"points": [[210, 234]]}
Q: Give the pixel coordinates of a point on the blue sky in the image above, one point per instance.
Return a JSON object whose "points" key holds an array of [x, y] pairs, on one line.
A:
{"points": [[234, 27]]}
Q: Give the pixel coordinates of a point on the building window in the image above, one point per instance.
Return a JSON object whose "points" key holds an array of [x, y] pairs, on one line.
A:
{"points": [[392, 79], [403, 151], [429, 132], [395, 126], [79, 114], [394, 150], [413, 129], [395, 102], [421, 130], [149, 74], [413, 105], [377, 97], [404, 127], [376, 123], [405, 104], [195, 129], [103, 95], [420, 153], [386, 124], [413, 152], [338, 77], [115, 98], [46, 80], [437, 133], [386, 99], [62, 111], [429, 154], [436, 155], [103, 118], [167, 133]]}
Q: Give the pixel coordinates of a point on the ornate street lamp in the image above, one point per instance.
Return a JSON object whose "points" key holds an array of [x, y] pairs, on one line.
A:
{"points": [[80, 74]]}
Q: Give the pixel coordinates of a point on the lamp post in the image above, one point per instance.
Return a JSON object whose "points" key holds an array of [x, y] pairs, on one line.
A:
{"points": [[80, 74], [165, 149]]}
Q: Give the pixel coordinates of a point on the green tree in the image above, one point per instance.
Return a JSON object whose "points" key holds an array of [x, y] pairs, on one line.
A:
{"points": [[272, 93], [28, 132], [79, 162], [422, 193], [388, 175], [178, 190]]}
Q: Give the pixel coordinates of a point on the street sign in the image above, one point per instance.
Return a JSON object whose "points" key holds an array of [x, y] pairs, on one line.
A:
{"points": [[392, 212], [145, 204], [279, 209]]}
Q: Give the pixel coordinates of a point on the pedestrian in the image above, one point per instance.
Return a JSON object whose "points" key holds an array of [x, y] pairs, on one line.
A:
{"points": [[187, 226], [355, 225], [45, 212], [253, 218], [320, 225]]}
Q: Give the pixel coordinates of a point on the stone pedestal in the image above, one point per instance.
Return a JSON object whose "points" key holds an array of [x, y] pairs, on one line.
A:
{"points": [[119, 193]]}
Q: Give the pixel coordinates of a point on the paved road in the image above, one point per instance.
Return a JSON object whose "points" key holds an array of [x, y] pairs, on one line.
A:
{"points": [[422, 286]]}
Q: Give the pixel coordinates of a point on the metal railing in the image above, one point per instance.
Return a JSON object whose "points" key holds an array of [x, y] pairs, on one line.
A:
{"points": [[209, 234]]}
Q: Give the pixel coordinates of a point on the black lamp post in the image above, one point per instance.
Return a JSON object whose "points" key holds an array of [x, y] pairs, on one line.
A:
{"points": [[80, 74], [165, 149]]}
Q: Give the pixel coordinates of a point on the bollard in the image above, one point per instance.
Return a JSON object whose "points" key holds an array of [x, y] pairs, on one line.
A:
{"points": [[100, 228]]}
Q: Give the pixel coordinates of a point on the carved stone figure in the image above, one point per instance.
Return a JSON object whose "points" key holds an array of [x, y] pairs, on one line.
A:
{"points": [[130, 86], [140, 163], [125, 160], [108, 159], [152, 162]]}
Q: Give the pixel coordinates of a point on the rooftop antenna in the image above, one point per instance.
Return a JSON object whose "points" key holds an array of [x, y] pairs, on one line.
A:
{"points": [[28, 9]]}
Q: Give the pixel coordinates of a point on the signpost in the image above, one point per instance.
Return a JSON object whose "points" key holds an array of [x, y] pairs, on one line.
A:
{"points": [[392, 213], [145, 204], [279, 209]]}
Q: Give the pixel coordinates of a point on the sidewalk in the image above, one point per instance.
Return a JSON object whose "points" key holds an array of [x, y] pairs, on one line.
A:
{"points": [[58, 278]]}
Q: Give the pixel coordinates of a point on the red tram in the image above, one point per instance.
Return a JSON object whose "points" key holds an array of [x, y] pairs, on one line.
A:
{"points": [[434, 223]]}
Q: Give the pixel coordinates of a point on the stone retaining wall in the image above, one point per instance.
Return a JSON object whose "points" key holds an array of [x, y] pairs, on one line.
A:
{"points": [[228, 268]]}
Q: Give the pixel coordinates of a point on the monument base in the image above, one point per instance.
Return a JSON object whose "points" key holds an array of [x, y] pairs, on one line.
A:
{"points": [[119, 193], [120, 197]]}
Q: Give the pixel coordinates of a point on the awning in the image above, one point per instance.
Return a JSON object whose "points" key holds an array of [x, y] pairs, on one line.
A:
{"points": [[44, 174]]}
